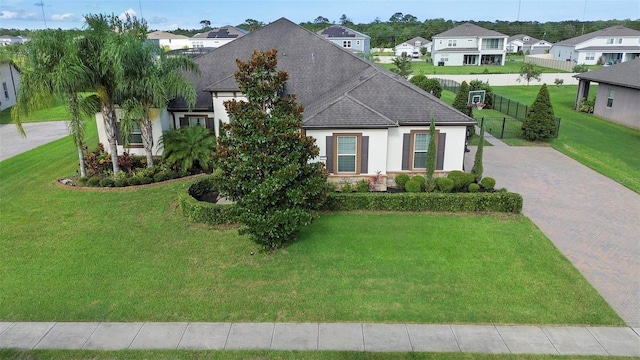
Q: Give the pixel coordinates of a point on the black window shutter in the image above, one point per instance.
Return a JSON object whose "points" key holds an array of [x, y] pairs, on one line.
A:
{"points": [[329, 153], [364, 155], [211, 124], [440, 154], [183, 122], [406, 144]]}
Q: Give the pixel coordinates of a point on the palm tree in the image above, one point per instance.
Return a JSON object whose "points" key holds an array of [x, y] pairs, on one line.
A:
{"points": [[190, 147], [52, 69], [147, 83]]}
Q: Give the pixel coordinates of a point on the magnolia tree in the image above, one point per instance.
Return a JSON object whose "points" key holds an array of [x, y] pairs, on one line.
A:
{"points": [[263, 160]]}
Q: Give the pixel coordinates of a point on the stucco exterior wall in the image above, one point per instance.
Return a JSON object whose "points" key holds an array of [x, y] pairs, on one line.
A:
{"points": [[160, 124], [454, 147], [9, 77], [625, 109], [377, 146]]}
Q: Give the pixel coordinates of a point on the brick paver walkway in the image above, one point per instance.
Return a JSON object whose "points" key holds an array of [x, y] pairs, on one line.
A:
{"points": [[594, 221]]}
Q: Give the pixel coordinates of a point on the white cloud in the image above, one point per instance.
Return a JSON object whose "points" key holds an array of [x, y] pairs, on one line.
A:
{"points": [[8, 14], [64, 17], [129, 12], [158, 20], [18, 15]]}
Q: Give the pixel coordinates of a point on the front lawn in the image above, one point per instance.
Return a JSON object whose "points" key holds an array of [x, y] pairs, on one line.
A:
{"points": [[131, 256], [606, 147], [424, 68], [57, 112]]}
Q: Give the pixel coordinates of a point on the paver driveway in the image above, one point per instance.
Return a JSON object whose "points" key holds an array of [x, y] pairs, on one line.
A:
{"points": [[594, 221]]}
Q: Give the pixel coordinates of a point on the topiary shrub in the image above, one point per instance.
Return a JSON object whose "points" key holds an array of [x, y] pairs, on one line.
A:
{"points": [[413, 186], [362, 186], [106, 182], [473, 187], [461, 180], [202, 186], [420, 180], [488, 183], [445, 185], [540, 122], [401, 179]]}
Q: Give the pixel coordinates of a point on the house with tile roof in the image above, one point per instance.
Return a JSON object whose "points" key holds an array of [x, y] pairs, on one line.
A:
{"points": [[365, 119], [169, 41], [347, 38], [527, 45], [618, 92], [612, 45], [217, 37], [469, 44], [412, 46]]}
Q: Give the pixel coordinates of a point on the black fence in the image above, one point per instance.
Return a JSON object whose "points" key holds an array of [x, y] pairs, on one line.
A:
{"points": [[510, 107], [505, 128], [449, 85]]}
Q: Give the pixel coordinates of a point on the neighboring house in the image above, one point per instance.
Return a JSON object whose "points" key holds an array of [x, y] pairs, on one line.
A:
{"points": [[366, 120], [612, 45], [409, 47], [169, 41], [217, 37], [9, 82], [6, 40], [618, 97], [469, 44], [347, 38], [527, 45]]}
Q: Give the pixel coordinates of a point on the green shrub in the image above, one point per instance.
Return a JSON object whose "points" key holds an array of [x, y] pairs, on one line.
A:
{"points": [[201, 186], [346, 187], [93, 181], [331, 186], [121, 182], [413, 186], [420, 180], [402, 179], [540, 122], [106, 182], [464, 202], [461, 180], [488, 183], [133, 181], [362, 186], [445, 185], [82, 181], [473, 187], [580, 68]]}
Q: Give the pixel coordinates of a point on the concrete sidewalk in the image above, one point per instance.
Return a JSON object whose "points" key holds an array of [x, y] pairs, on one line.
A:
{"points": [[618, 341]]}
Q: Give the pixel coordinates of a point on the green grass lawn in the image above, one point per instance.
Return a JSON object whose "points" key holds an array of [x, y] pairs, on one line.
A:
{"points": [[606, 147], [271, 354], [131, 256], [57, 112], [428, 69]]}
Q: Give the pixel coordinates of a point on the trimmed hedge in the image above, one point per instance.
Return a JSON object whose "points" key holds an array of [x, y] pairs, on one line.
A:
{"points": [[202, 211], [460, 202]]}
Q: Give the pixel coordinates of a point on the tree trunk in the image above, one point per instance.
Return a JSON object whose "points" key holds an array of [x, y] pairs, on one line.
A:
{"points": [[110, 123], [146, 129], [83, 170]]}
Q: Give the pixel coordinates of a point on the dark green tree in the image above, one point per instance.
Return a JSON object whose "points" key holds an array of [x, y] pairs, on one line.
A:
{"points": [[540, 122], [528, 72], [477, 168], [429, 85], [402, 65], [461, 101], [481, 85], [431, 156], [263, 160]]}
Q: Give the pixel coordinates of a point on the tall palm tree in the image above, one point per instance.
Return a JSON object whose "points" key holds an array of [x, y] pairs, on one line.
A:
{"points": [[148, 81], [52, 69], [104, 51]]}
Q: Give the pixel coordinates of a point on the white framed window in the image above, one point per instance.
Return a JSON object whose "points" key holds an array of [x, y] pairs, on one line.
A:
{"points": [[419, 146], [590, 56], [346, 43], [619, 40], [136, 135], [197, 120], [346, 150], [610, 41], [491, 43], [610, 96], [452, 43]]}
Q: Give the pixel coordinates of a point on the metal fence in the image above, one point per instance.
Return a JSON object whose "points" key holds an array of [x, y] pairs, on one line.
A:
{"points": [[505, 128], [450, 85], [510, 107]]}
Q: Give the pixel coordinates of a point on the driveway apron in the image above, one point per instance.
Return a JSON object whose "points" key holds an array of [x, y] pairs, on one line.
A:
{"points": [[590, 218]]}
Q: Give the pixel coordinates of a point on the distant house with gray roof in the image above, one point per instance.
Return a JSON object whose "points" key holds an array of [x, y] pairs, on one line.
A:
{"points": [[618, 92], [411, 46], [366, 120], [169, 41], [527, 45], [469, 44], [612, 45], [347, 38], [217, 37]]}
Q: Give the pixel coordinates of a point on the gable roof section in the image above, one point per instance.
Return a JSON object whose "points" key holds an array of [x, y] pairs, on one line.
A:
{"points": [[164, 35], [225, 32], [337, 88], [617, 30], [339, 31], [521, 37], [469, 30], [626, 74]]}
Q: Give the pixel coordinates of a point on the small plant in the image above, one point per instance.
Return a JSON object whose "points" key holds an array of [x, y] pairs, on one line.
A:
{"points": [[445, 185], [488, 183], [558, 82], [401, 180], [346, 187], [580, 68], [413, 186], [362, 186], [473, 187], [420, 180], [93, 181], [331, 186], [106, 182], [587, 105]]}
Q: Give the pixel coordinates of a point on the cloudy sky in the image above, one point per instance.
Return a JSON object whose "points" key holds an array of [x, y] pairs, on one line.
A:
{"points": [[168, 15]]}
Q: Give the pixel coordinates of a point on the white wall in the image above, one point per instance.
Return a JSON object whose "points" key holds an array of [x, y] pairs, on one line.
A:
{"points": [[219, 112], [175, 44], [9, 76], [454, 146], [160, 125], [377, 146]]}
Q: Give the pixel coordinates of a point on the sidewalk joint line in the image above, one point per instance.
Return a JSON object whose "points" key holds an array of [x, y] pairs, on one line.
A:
{"points": [[182, 336], [45, 335], [136, 335], [87, 340]]}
